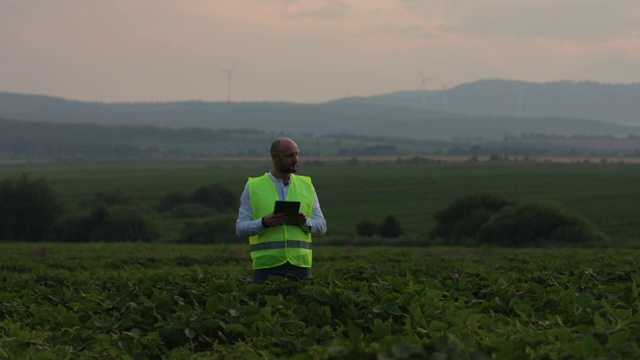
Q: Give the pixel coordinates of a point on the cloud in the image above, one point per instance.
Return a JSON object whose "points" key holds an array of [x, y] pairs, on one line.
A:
{"points": [[579, 20], [331, 9]]}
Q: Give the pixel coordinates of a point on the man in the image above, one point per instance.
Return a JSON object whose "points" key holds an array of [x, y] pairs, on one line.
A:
{"points": [[276, 248]]}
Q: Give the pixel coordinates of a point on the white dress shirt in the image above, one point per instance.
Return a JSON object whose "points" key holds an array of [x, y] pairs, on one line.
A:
{"points": [[246, 226]]}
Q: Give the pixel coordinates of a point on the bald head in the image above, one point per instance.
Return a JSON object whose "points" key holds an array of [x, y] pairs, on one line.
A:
{"points": [[284, 155], [280, 143]]}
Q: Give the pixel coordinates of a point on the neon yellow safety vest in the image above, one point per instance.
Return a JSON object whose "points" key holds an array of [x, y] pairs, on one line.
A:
{"points": [[279, 244]]}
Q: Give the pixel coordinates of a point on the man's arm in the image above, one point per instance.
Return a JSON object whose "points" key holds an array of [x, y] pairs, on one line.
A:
{"points": [[245, 225], [316, 224]]}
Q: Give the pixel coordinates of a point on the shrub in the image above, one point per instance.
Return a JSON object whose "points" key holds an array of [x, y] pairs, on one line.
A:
{"points": [[390, 227], [71, 228], [215, 231], [215, 196], [128, 223], [367, 228], [459, 223], [119, 223], [172, 200], [109, 197], [535, 225], [191, 210], [28, 207]]}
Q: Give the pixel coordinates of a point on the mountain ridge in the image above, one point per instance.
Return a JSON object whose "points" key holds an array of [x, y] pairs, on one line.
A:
{"points": [[486, 108]]}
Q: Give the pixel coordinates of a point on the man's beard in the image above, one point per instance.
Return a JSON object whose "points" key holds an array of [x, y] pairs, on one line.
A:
{"points": [[288, 169]]}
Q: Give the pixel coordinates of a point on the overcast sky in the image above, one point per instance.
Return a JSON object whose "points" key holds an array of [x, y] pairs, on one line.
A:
{"points": [[306, 50]]}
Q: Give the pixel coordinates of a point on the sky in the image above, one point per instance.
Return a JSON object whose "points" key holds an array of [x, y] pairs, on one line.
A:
{"points": [[306, 51]]}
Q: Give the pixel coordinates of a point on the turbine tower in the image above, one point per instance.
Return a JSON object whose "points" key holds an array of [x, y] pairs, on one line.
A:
{"points": [[445, 87], [520, 99], [423, 86], [228, 71]]}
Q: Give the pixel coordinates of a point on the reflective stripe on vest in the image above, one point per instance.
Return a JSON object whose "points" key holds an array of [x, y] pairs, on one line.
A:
{"points": [[280, 244]]}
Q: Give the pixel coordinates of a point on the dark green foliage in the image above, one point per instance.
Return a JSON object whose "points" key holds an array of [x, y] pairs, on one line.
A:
{"points": [[109, 197], [70, 228], [478, 219], [28, 207], [120, 223], [390, 227], [537, 224], [219, 230], [459, 223], [191, 210], [204, 201], [367, 228], [128, 223], [168, 301], [215, 196], [171, 200]]}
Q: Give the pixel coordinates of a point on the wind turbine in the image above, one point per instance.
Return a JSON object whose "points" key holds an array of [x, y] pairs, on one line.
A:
{"points": [[228, 71], [423, 86], [444, 87], [520, 99]]}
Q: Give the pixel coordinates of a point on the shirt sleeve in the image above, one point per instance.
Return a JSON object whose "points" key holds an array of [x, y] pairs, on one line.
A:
{"points": [[245, 225], [316, 224]]}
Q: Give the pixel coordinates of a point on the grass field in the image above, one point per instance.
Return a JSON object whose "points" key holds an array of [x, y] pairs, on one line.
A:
{"points": [[607, 195]]}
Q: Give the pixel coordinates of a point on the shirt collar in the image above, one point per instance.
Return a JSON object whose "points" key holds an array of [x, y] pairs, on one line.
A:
{"points": [[276, 180]]}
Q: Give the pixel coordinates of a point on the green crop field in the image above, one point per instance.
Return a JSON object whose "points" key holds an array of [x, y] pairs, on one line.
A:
{"points": [[152, 301], [607, 195]]}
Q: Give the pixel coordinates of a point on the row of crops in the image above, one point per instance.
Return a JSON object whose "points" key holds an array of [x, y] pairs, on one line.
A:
{"points": [[144, 301]]}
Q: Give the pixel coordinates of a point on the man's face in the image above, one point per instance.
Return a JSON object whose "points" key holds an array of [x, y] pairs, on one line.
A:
{"points": [[288, 159]]}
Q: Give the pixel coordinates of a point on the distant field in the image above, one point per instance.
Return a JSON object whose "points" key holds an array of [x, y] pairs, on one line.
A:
{"points": [[606, 194]]}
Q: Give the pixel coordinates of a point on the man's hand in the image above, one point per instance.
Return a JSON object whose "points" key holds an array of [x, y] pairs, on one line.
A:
{"points": [[273, 220], [302, 219]]}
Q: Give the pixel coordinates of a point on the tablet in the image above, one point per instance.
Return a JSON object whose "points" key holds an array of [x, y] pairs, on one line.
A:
{"points": [[291, 208]]}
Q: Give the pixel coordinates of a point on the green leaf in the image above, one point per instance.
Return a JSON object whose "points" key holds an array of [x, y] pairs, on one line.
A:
{"points": [[380, 329], [190, 333], [238, 328], [590, 347], [618, 339], [104, 323], [355, 334], [212, 304], [44, 355], [71, 320], [392, 308], [437, 325]]}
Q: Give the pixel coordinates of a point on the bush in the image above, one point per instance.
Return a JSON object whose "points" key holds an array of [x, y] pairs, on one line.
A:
{"points": [[72, 228], [190, 210], [459, 223], [172, 200], [114, 224], [367, 228], [216, 231], [479, 219], [215, 196], [390, 227], [28, 207], [109, 197], [535, 225], [128, 223]]}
